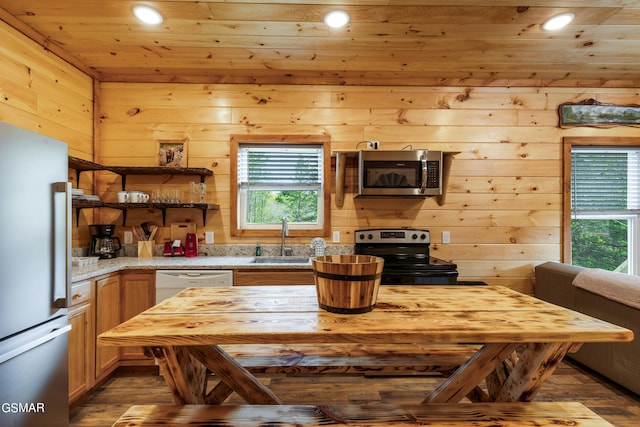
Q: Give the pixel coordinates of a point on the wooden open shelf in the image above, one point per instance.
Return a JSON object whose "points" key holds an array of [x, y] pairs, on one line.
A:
{"points": [[81, 165]]}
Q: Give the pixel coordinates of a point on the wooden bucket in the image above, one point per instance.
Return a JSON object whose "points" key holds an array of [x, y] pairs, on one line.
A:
{"points": [[347, 283]]}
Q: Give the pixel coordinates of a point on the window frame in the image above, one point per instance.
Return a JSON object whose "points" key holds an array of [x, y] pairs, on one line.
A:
{"points": [[568, 144], [324, 140]]}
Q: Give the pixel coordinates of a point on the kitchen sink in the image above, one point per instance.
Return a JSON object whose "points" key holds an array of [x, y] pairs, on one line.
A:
{"points": [[281, 260]]}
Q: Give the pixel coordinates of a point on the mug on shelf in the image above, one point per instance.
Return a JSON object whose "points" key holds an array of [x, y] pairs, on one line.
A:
{"points": [[138, 197], [123, 197]]}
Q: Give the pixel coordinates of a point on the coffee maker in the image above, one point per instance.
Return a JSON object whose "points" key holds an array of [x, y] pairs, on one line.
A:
{"points": [[103, 243]]}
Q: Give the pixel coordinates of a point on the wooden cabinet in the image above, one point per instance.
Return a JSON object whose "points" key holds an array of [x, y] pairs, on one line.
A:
{"points": [[107, 316], [81, 340], [254, 277], [96, 306], [138, 293]]}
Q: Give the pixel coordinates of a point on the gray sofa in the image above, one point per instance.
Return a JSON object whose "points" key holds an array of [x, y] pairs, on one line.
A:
{"points": [[619, 362]]}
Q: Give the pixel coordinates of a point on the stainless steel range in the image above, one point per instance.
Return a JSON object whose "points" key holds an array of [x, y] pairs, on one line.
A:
{"points": [[406, 257]]}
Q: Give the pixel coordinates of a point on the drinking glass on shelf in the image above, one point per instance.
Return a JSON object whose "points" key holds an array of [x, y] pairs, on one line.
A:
{"points": [[160, 196], [165, 195], [193, 192], [197, 192], [174, 196], [203, 192]]}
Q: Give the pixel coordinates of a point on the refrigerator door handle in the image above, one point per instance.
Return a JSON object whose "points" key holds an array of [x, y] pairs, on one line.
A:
{"points": [[62, 257], [33, 344]]}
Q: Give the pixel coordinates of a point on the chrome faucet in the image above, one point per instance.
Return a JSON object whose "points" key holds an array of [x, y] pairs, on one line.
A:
{"points": [[284, 250]]}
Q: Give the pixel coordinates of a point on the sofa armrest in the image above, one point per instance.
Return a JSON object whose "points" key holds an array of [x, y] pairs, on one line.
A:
{"points": [[554, 283]]}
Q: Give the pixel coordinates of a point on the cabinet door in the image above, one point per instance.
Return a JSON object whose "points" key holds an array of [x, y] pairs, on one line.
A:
{"points": [[81, 339], [81, 351], [107, 317], [254, 277], [138, 292]]}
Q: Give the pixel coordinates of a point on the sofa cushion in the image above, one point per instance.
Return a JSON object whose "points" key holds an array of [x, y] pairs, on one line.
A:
{"points": [[620, 287]]}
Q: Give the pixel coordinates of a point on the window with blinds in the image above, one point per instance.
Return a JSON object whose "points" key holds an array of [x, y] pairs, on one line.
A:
{"points": [[280, 180], [605, 207]]}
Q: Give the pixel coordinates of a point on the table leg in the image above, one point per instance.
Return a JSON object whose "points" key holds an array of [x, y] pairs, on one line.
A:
{"points": [[509, 376], [536, 363], [497, 378], [471, 373], [185, 377], [234, 375], [218, 394]]}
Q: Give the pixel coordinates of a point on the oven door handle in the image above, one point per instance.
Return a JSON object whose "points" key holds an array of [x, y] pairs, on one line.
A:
{"points": [[423, 186]]}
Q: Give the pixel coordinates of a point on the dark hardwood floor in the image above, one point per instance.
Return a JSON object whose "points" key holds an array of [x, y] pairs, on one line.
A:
{"points": [[570, 382]]}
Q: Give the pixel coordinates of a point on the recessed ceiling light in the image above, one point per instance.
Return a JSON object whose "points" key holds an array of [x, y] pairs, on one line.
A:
{"points": [[336, 19], [147, 15], [558, 21]]}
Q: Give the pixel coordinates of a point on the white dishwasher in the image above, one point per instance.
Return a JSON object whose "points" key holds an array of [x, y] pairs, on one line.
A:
{"points": [[170, 282]]}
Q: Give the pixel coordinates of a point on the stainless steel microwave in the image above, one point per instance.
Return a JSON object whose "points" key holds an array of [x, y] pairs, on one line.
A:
{"points": [[400, 173]]}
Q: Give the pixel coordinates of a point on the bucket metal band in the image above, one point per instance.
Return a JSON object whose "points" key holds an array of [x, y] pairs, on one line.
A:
{"points": [[347, 277], [340, 310]]}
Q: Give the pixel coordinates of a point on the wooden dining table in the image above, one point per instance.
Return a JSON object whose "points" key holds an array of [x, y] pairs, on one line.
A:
{"points": [[521, 339]]}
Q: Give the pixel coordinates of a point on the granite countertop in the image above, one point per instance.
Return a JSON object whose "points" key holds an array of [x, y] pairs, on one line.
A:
{"points": [[106, 266]]}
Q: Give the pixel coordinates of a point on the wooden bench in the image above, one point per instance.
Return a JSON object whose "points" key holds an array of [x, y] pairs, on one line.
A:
{"points": [[368, 359], [443, 414]]}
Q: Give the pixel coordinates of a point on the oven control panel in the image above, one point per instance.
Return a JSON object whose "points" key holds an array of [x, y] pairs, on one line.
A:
{"points": [[398, 235]]}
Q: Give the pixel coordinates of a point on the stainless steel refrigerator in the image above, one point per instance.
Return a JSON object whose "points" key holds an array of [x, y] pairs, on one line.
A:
{"points": [[35, 278]]}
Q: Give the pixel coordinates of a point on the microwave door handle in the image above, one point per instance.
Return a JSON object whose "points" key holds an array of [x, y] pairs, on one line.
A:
{"points": [[423, 187]]}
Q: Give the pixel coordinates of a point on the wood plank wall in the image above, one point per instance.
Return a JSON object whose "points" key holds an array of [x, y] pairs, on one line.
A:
{"points": [[42, 93], [503, 207], [504, 202]]}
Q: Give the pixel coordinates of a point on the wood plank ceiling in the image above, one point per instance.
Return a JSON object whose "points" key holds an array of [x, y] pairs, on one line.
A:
{"points": [[387, 42]]}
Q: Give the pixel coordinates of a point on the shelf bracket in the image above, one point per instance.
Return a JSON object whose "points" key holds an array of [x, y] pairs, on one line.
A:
{"points": [[341, 166], [164, 216]]}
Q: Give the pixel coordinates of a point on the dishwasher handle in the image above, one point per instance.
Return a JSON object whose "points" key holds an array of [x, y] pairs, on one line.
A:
{"points": [[192, 274], [175, 277]]}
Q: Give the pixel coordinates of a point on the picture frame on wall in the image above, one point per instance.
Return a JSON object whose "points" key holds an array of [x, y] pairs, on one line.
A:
{"points": [[597, 114], [172, 154]]}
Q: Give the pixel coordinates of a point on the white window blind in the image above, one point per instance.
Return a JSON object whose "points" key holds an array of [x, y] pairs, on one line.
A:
{"points": [[605, 180], [275, 166]]}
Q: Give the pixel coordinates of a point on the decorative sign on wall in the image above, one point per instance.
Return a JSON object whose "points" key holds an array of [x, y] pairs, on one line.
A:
{"points": [[172, 154], [593, 113]]}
